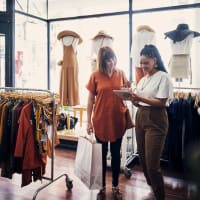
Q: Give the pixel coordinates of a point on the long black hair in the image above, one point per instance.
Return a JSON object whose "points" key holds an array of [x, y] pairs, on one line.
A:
{"points": [[152, 52]]}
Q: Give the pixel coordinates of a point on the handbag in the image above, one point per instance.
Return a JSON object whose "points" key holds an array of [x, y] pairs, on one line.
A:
{"points": [[129, 121], [88, 163]]}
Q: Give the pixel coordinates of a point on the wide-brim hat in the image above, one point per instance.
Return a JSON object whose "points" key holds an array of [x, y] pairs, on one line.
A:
{"points": [[180, 33], [102, 34], [69, 33]]}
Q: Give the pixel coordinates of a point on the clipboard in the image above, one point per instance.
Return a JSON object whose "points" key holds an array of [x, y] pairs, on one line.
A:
{"points": [[123, 93]]}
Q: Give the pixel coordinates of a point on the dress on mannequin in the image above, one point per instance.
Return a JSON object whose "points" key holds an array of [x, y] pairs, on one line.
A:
{"points": [[181, 42], [144, 35], [69, 87], [102, 39]]}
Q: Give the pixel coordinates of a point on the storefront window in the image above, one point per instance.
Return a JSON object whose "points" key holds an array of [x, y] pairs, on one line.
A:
{"points": [[170, 21], [30, 53], [2, 5], [37, 8], [69, 8], [2, 60], [21, 5], [88, 28], [143, 4]]}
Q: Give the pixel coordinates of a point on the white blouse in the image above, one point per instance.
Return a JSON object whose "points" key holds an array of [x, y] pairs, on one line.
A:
{"points": [[182, 47], [98, 43], [141, 38], [158, 85]]}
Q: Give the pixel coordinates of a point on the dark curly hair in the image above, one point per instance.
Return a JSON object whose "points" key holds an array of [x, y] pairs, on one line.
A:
{"points": [[152, 52]]}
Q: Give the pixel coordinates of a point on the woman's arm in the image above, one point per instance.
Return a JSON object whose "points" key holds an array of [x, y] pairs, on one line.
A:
{"points": [[90, 105], [135, 99]]}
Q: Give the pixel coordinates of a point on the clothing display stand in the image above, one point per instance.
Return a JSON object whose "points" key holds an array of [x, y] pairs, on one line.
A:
{"points": [[186, 88], [129, 147], [184, 125], [133, 159], [69, 184]]}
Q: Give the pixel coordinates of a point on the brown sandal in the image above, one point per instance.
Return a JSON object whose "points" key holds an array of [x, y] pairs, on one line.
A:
{"points": [[102, 194], [117, 195]]}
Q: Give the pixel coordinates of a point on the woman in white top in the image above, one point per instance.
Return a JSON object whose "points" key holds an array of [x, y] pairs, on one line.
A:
{"points": [[153, 91]]}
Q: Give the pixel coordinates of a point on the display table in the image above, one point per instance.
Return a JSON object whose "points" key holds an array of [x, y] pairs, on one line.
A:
{"points": [[68, 135], [81, 110], [80, 128], [72, 134]]}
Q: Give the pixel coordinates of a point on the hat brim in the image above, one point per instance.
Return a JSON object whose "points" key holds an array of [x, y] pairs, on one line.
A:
{"points": [[145, 27], [69, 33], [177, 35], [102, 35]]}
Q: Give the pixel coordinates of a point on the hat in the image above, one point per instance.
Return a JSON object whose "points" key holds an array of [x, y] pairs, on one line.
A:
{"points": [[180, 33], [101, 34], [69, 33], [145, 27]]}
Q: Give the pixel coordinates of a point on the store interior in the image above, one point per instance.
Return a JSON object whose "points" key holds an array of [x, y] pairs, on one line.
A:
{"points": [[31, 53]]}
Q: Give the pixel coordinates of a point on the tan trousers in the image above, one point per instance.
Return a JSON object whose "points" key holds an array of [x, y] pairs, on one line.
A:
{"points": [[151, 129]]}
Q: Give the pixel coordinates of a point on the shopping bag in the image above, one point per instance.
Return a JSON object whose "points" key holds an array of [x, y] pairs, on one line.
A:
{"points": [[88, 163]]}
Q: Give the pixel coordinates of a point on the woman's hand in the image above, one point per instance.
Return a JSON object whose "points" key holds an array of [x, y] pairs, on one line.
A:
{"points": [[89, 128], [127, 84], [134, 98]]}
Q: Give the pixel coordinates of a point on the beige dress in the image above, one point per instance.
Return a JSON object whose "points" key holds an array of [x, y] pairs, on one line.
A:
{"points": [[69, 87]]}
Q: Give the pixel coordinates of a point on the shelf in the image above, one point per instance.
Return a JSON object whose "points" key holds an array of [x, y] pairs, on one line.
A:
{"points": [[68, 135]]}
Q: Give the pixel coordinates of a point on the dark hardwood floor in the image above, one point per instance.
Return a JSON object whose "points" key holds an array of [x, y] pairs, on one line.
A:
{"points": [[134, 188]]}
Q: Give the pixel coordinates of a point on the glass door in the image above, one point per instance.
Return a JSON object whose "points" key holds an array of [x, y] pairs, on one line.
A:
{"points": [[7, 32], [2, 53]]}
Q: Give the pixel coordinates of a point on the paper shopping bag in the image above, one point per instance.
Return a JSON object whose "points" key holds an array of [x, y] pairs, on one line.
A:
{"points": [[88, 163]]}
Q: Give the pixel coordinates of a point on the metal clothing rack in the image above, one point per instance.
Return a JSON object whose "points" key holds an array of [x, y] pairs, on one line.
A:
{"points": [[69, 184]]}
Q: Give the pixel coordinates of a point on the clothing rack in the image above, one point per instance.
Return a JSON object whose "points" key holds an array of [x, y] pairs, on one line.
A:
{"points": [[186, 88], [188, 91], [133, 159], [51, 179]]}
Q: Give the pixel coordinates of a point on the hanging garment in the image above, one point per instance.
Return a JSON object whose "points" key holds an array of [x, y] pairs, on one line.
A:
{"points": [[141, 37], [144, 35], [100, 40], [180, 63], [139, 73], [33, 163], [69, 87]]}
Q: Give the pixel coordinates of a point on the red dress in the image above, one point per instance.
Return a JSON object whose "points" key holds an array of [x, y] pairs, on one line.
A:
{"points": [[109, 110]]}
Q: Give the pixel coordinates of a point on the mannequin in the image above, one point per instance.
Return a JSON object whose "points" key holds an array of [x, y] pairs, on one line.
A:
{"points": [[69, 88], [181, 42], [144, 35], [102, 39]]}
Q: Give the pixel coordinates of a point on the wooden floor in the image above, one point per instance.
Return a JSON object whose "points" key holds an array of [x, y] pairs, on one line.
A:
{"points": [[134, 188]]}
